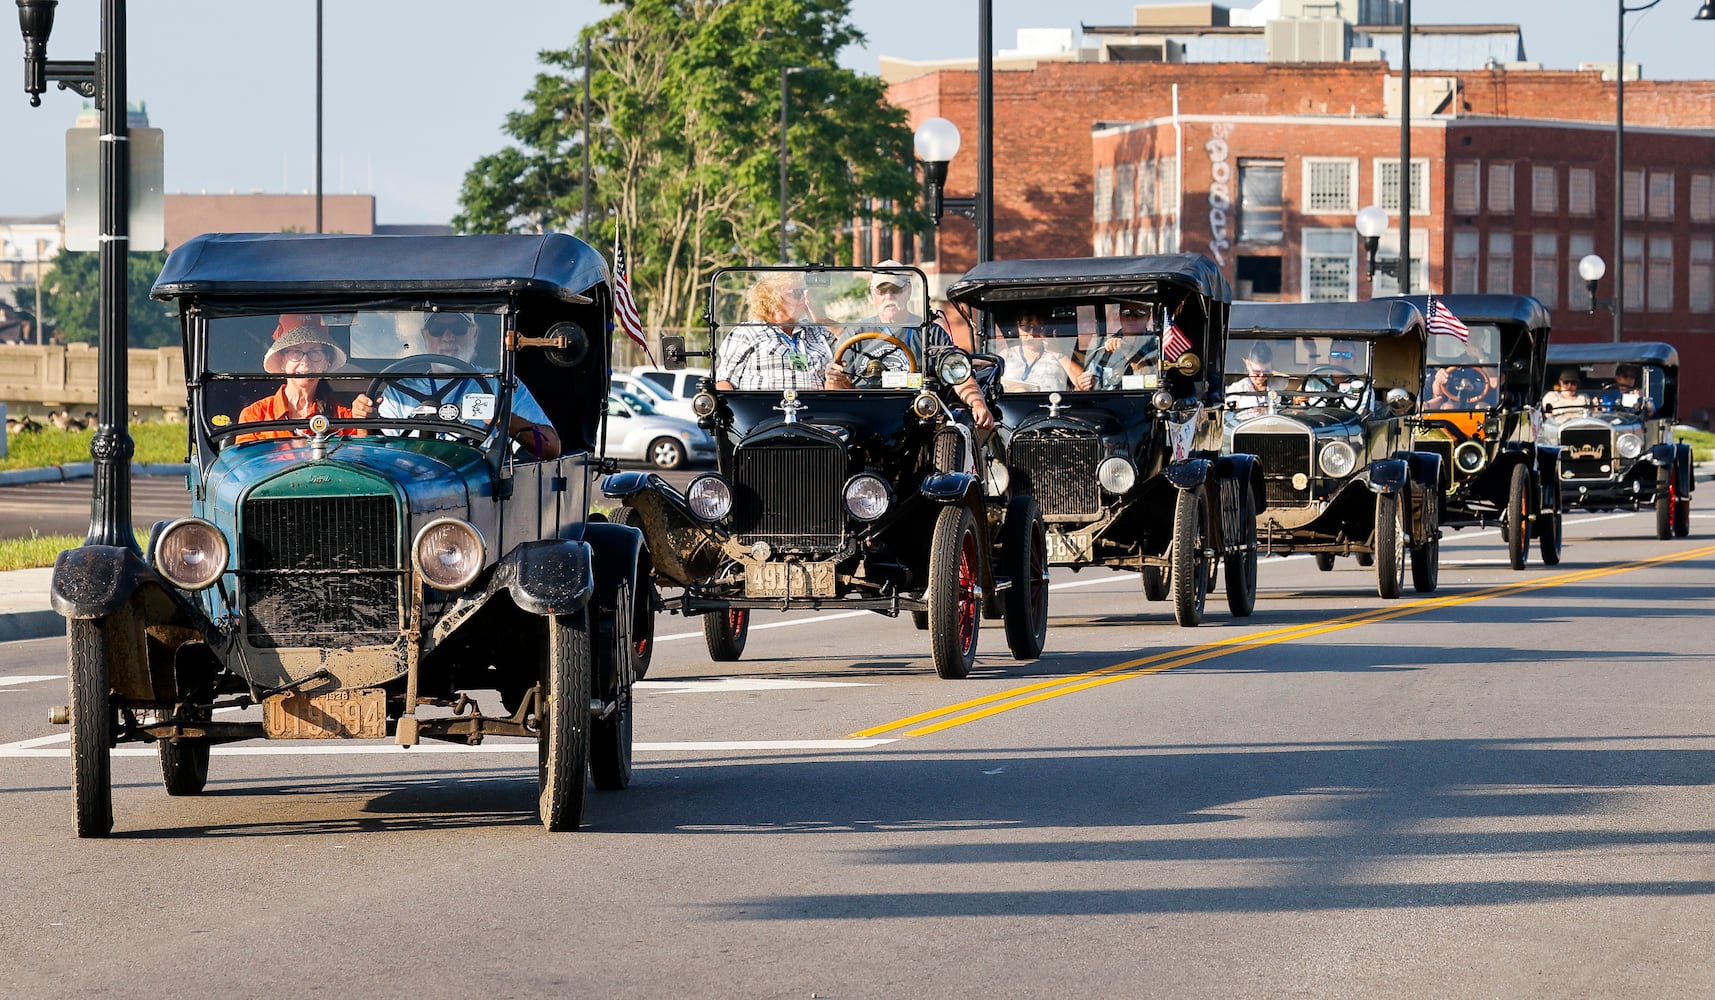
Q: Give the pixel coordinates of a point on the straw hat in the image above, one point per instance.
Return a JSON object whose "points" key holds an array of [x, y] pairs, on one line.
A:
{"points": [[298, 336]]}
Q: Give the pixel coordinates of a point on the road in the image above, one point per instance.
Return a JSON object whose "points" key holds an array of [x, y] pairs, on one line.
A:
{"points": [[1500, 790]]}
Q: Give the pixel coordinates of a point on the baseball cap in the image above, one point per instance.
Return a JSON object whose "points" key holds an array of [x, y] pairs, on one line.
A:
{"points": [[880, 278]]}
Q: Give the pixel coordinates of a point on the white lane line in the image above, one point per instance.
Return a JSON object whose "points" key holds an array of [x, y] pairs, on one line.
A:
{"points": [[30, 679], [291, 748], [722, 685]]}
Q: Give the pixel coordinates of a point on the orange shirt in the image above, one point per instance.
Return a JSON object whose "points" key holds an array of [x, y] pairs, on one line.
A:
{"points": [[274, 408]]}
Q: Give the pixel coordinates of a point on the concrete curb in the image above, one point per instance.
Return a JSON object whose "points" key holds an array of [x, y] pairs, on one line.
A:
{"points": [[82, 470], [20, 625]]}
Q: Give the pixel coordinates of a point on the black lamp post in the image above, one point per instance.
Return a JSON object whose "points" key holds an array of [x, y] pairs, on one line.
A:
{"points": [[786, 73], [318, 116], [936, 142], [103, 79]]}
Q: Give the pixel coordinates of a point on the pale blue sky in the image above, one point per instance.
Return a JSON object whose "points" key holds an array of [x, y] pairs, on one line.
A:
{"points": [[415, 90]]}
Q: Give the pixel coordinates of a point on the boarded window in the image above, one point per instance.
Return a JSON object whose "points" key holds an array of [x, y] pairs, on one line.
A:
{"points": [[1501, 188], [1701, 273], [1545, 268], [1634, 203], [1465, 246], [1702, 197], [1465, 187], [1660, 287], [1578, 246], [1661, 194], [1544, 190], [1634, 265], [1581, 191], [1499, 278]]}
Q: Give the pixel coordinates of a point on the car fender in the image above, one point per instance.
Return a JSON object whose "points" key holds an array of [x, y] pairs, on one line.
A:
{"points": [[1682, 467], [546, 577], [95, 581], [1425, 469], [952, 487], [1548, 474], [1189, 474], [627, 484], [618, 550], [1387, 475], [1244, 469]]}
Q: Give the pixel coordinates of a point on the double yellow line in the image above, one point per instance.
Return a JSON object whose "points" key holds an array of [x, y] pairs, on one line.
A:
{"points": [[976, 709]]}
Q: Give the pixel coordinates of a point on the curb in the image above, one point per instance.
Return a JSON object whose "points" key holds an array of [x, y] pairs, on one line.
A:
{"points": [[82, 470], [20, 625]]}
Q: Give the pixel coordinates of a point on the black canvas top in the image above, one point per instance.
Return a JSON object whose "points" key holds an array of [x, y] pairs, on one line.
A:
{"points": [[1522, 309], [1371, 320], [1625, 352], [1017, 280]]}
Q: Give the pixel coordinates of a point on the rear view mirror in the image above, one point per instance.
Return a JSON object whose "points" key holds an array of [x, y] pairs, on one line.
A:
{"points": [[673, 353], [566, 344]]}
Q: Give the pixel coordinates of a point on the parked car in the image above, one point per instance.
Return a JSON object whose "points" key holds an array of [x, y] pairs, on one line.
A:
{"points": [[377, 577], [1493, 469], [1124, 459], [679, 385], [1617, 447], [1328, 404], [860, 498], [658, 395], [636, 431]]}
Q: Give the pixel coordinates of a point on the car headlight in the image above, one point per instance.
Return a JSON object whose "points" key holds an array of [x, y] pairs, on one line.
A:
{"points": [[867, 497], [1337, 459], [1470, 457], [1116, 475], [703, 404], [710, 497], [191, 553], [1629, 446], [954, 368], [448, 553], [925, 405]]}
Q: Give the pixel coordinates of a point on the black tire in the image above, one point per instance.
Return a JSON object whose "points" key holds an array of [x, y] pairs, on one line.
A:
{"points": [[610, 737], [1024, 560], [184, 765], [955, 613], [920, 620], [1548, 533], [1681, 517], [1190, 578], [1364, 559], [1390, 537], [724, 632], [563, 722], [1155, 583], [1664, 503], [1426, 555], [1241, 573], [643, 624], [91, 727], [1517, 517], [1325, 561], [666, 453]]}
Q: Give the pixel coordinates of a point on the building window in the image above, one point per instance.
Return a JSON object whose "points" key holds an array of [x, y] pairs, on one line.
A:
{"points": [[1634, 265], [1578, 246], [1387, 186], [1660, 289], [1634, 203], [1501, 188], [1465, 199], [1104, 194], [1262, 210], [1330, 265], [1702, 197], [1499, 278], [1256, 277], [1544, 190], [1388, 249], [1702, 274], [1545, 269], [1125, 191], [1330, 186], [1661, 194], [1146, 204], [1581, 191], [1464, 272]]}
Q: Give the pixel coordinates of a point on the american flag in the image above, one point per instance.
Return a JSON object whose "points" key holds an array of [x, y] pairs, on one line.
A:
{"points": [[625, 306], [1175, 343], [1442, 320]]}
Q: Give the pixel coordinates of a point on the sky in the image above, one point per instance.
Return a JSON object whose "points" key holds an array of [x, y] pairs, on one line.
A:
{"points": [[414, 91]]}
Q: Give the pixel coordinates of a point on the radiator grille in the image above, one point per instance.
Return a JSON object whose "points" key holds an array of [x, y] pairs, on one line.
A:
{"points": [[1281, 456], [1583, 452], [321, 571], [1061, 464], [787, 493]]}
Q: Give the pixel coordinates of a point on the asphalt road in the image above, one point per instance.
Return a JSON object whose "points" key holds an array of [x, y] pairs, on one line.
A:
{"points": [[1502, 789]]}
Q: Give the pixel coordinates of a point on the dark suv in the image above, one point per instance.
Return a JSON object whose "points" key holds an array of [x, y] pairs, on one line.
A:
{"points": [[408, 574], [864, 491], [1323, 393], [1110, 418]]}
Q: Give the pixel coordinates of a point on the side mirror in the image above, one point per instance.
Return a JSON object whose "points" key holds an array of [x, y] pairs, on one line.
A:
{"points": [[1400, 401], [565, 344], [673, 353], [1185, 364]]}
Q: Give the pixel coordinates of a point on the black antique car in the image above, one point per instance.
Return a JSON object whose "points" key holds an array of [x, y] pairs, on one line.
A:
{"points": [[409, 574], [1484, 424], [1615, 431], [1324, 393], [864, 491], [1110, 417]]}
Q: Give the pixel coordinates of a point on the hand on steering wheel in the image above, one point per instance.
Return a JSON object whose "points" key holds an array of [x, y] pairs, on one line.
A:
{"points": [[445, 385], [895, 347]]}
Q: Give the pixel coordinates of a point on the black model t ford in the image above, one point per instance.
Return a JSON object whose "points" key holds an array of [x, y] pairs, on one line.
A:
{"points": [[1615, 431], [1483, 422], [1110, 417], [409, 574], [849, 476], [1322, 393]]}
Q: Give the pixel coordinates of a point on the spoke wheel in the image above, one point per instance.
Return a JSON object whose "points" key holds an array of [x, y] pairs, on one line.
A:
{"points": [[1190, 577], [955, 597], [1241, 573], [610, 738], [1390, 537], [562, 721], [724, 632], [1518, 530], [91, 727], [1024, 559], [1325, 561]]}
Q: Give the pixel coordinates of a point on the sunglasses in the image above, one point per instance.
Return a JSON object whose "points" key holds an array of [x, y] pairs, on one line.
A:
{"points": [[443, 332]]}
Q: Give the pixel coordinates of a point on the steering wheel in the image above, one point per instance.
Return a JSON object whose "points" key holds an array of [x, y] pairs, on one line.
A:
{"points": [[411, 364], [895, 346], [1465, 385]]}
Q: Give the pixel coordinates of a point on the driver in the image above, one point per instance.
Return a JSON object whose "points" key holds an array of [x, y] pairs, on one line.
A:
{"points": [[453, 335], [1251, 392], [1463, 385], [1132, 346], [1566, 391]]}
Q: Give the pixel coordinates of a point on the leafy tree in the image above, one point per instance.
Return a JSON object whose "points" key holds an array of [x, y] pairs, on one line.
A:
{"points": [[685, 122], [71, 299]]}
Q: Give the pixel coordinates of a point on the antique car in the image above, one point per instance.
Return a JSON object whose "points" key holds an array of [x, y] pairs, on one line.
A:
{"points": [[407, 574], [1617, 450], [865, 491], [1324, 393], [1484, 425], [1110, 417]]}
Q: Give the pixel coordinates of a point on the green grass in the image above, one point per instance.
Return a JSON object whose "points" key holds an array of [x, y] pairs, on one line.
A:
{"points": [[1702, 443], [38, 551], [157, 443]]}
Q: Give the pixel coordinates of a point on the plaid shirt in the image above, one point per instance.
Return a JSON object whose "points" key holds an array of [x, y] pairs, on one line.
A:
{"points": [[762, 356]]}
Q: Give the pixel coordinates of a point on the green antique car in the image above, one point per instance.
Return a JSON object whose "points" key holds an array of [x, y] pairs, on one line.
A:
{"points": [[413, 559]]}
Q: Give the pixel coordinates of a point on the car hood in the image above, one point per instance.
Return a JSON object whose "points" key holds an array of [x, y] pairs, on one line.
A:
{"points": [[428, 475], [1296, 421]]}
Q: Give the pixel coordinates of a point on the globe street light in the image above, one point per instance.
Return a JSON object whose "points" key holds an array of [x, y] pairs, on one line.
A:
{"points": [[1591, 268], [1371, 224]]}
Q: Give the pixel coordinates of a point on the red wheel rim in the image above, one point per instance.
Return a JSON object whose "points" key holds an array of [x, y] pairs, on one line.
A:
{"points": [[735, 618], [968, 593]]}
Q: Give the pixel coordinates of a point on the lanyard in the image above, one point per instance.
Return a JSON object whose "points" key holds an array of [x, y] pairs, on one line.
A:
{"points": [[790, 341]]}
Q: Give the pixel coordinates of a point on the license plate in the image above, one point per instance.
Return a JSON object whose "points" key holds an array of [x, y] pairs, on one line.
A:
{"points": [[778, 579], [353, 714], [1069, 548]]}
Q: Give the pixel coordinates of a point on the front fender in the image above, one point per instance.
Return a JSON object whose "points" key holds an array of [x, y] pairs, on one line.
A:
{"points": [[546, 577], [95, 581], [617, 551], [626, 484], [951, 487], [1387, 475], [1189, 474], [1425, 470], [1247, 470]]}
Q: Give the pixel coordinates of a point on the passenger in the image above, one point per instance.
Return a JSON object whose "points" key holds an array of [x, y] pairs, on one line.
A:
{"points": [[301, 353], [780, 346], [1251, 391], [1567, 391], [1033, 361], [454, 335], [1132, 347]]}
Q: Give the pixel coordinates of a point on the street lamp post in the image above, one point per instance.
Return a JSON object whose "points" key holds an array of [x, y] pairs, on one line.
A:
{"points": [[1372, 223], [584, 215], [936, 142], [785, 185], [318, 116], [1591, 268]]}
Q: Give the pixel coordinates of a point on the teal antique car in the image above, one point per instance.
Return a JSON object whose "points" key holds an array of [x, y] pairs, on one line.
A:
{"points": [[415, 559]]}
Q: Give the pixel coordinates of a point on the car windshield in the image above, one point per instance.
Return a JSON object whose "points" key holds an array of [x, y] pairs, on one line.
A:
{"points": [[638, 403], [1463, 373], [413, 365], [1305, 370], [782, 328], [1622, 389], [1100, 346]]}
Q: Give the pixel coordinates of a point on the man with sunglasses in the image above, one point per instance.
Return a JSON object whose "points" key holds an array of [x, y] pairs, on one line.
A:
{"points": [[454, 335]]}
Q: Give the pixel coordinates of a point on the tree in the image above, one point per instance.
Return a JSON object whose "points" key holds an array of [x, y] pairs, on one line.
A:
{"points": [[685, 98], [71, 295]]}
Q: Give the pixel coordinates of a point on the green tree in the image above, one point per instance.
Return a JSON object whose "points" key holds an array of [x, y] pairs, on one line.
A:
{"points": [[685, 112], [71, 300]]}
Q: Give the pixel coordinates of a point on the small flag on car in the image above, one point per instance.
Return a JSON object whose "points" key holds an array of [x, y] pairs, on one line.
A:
{"points": [[1442, 320], [1175, 343], [625, 306]]}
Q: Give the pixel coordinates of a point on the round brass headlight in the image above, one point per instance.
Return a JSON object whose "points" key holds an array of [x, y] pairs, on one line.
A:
{"points": [[703, 404], [191, 553], [1470, 457], [925, 405], [1116, 475], [709, 497], [867, 496], [448, 553], [954, 368]]}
